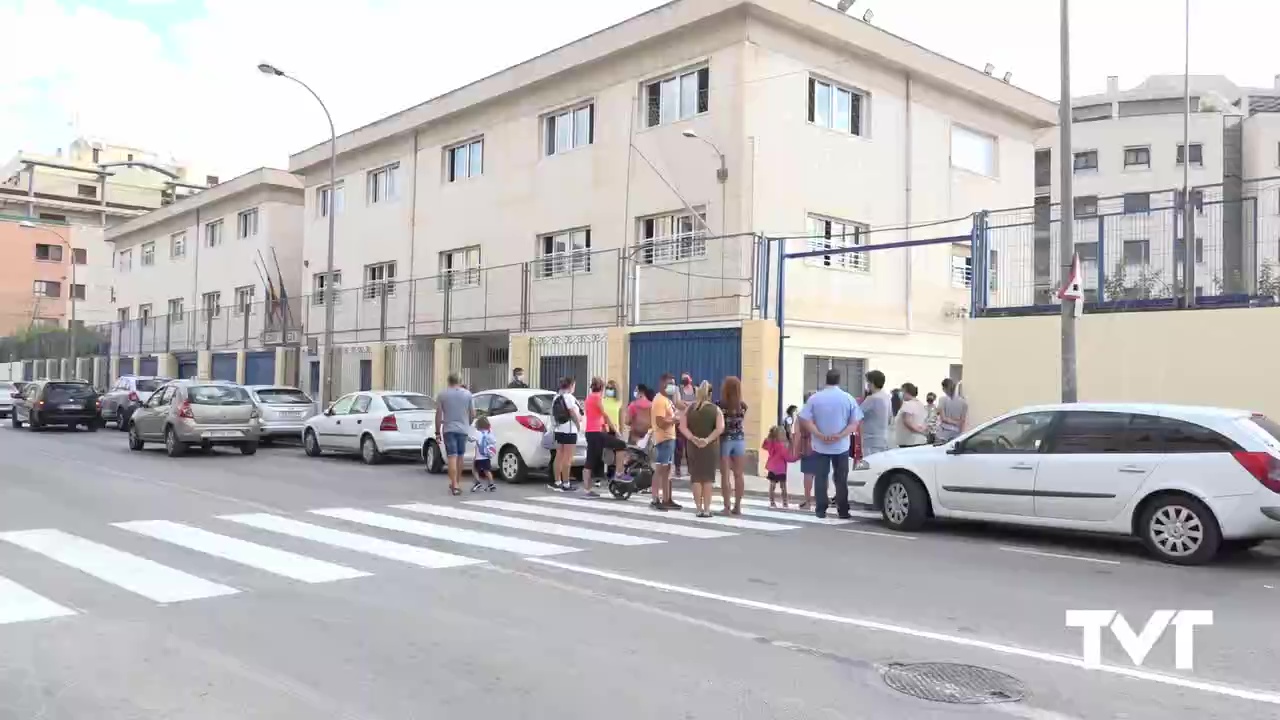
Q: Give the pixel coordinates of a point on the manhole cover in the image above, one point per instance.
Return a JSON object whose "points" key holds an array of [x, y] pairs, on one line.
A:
{"points": [[952, 683]]}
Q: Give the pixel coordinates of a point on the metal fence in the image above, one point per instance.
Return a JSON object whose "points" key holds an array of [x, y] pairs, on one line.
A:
{"points": [[410, 365], [581, 356]]}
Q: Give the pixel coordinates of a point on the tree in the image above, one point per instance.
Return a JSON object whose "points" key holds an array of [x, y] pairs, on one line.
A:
{"points": [[1146, 284], [1269, 280]]}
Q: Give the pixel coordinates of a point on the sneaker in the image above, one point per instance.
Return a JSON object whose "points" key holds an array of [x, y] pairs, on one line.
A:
{"points": [[655, 505], [491, 488], [592, 494], [570, 487], [558, 487], [477, 487]]}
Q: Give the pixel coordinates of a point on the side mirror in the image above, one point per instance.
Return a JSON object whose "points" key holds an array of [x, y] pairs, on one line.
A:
{"points": [[329, 410], [956, 449], [15, 395]]}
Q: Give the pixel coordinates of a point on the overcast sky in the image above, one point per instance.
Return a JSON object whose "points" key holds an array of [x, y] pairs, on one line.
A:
{"points": [[179, 77]]}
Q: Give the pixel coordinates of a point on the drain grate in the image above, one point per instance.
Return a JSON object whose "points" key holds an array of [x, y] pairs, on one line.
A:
{"points": [[953, 683]]}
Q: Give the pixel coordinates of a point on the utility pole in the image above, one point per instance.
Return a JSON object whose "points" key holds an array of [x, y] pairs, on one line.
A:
{"points": [[1188, 209], [1066, 205]]}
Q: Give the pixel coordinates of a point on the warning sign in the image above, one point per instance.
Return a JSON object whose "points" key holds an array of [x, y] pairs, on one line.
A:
{"points": [[1073, 288]]}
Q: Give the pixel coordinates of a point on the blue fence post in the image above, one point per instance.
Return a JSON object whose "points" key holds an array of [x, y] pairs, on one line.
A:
{"points": [[1102, 259], [782, 322], [975, 267]]}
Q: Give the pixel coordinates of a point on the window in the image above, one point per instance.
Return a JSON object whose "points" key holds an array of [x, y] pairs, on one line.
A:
{"points": [[79, 256], [77, 292], [673, 237], [1137, 203], [126, 260], [381, 183], [1137, 252], [213, 234], [569, 129], [321, 287], [407, 401], [973, 151], [1150, 433], [1197, 153], [564, 253], [49, 253], [148, 256], [1088, 251], [44, 322], [1137, 157], [1178, 251], [678, 97], [176, 310], [361, 405], [247, 223], [322, 199], [961, 266], [122, 316], [1085, 206], [1090, 432], [210, 180], [1019, 434], [1087, 160], [213, 304], [244, 300], [460, 268], [144, 314], [178, 245], [465, 160], [1043, 165], [831, 234], [1197, 201], [55, 217], [46, 288], [377, 277], [86, 191], [96, 154], [835, 107], [852, 372]]}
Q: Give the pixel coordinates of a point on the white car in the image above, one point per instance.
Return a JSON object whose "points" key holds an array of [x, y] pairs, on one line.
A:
{"points": [[372, 424], [7, 389], [518, 418], [1187, 481]]}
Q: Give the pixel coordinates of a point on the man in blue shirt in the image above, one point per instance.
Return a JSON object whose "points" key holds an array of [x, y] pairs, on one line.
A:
{"points": [[831, 416]]}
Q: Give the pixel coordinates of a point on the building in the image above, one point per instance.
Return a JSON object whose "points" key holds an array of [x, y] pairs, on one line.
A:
{"points": [[204, 274], [1127, 160], [517, 212]]}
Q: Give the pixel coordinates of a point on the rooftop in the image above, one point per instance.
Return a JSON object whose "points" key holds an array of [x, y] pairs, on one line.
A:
{"points": [[249, 181]]}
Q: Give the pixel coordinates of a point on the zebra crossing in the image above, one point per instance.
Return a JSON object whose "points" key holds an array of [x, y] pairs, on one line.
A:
{"points": [[538, 526]]}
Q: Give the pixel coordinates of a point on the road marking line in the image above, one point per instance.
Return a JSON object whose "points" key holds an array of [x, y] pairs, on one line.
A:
{"points": [[792, 514], [605, 519], [130, 572], [1263, 696], [492, 541], [1062, 556], [18, 604], [420, 556], [530, 525], [895, 536], [272, 560], [623, 506]]}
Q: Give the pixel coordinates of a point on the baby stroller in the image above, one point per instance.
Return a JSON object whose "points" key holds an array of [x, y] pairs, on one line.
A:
{"points": [[636, 476]]}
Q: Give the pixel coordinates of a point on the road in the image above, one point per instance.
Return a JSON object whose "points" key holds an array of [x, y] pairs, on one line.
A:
{"points": [[276, 586]]}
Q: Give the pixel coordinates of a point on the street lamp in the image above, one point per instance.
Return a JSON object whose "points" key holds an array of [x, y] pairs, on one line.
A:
{"points": [[71, 292], [722, 174], [326, 391]]}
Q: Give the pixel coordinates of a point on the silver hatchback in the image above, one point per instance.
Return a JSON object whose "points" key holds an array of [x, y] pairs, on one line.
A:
{"points": [[202, 413]]}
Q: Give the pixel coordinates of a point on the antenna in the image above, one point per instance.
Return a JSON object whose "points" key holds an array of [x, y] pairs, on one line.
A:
{"points": [[988, 69], [844, 5], [1008, 76]]}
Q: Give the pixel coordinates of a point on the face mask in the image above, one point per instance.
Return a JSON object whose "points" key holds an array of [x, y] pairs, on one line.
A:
{"points": [[636, 395], [671, 390], [610, 392], [520, 378]]}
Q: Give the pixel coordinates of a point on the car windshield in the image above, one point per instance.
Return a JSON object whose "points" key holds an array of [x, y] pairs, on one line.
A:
{"points": [[8, 387], [283, 396], [150, 384], [408, 402], [217, 395], [1270, 426], [541, 404], [63, 392]]}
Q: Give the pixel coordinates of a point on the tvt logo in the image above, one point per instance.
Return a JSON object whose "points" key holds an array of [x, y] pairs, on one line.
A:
{"points": [[1136, 644]]}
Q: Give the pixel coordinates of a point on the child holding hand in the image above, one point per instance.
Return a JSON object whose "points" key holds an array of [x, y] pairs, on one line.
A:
{"points": [[780, 454]]}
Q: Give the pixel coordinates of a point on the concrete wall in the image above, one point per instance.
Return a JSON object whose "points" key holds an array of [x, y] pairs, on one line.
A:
{"points": [[1203, 357]]}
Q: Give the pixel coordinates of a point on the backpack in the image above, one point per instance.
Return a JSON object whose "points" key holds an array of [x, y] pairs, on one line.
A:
{"points": [[560, 411]]}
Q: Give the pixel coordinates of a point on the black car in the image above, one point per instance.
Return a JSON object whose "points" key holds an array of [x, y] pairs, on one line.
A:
{"points": [[46, 403]]}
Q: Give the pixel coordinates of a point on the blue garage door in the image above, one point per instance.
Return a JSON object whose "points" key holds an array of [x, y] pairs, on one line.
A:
{"points": [[187, 366], [224, 367], [126, 366], [705, 354], [260, 368], [149, 365]]}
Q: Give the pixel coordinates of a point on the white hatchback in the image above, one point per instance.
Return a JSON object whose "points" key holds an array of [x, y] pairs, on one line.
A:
{"points": [[372, 424], [1187, 481]]}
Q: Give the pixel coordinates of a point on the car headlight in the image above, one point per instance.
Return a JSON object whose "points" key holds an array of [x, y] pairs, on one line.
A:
{"points": [[862, 465]]}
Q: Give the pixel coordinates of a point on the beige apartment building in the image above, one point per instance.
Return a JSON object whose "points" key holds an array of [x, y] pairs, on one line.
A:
{"points": [[580, 195]]}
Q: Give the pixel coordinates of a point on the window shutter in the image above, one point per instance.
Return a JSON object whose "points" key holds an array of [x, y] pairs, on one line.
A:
{"points": [[591, 124], [653, 101], [704, 89], [812, 98]]}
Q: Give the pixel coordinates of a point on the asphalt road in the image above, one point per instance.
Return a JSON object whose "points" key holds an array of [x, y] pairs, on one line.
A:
{"points": [[137, 586]]}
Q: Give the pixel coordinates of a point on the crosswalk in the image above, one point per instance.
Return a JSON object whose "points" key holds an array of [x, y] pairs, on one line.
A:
{"points": [[433, 536]]}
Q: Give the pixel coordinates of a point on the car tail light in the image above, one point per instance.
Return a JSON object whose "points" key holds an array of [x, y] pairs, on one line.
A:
{"points": [[133, 397], [389, 424], [1262, 465], [532, 423], [255, 413], [98, 402], [184, 410]]}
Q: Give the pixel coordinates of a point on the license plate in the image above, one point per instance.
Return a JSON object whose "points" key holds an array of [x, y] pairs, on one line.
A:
{"points": [[70, 407], [418, 425], [222, 434], [291, 415]]}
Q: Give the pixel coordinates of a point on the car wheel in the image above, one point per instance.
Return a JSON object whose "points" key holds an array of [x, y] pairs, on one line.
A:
{"points": [[33, 423], [135, 439], [122, 420], [511, 467], [91, 426], [905, 504], [369, 451], [431, 456], [248, 448], [1181, 530], [310, 445], [172, 445], [15, 422]]}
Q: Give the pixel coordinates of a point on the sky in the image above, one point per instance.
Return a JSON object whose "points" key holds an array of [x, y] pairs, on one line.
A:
{"points": [[179, 77]]}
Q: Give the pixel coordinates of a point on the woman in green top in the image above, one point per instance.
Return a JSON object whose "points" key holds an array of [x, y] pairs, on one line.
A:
{"points": [[701, 426], [612, 406]]}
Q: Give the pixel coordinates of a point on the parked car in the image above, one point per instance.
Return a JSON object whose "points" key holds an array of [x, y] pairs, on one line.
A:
{"points": [[372, 424], [66, 403], [203, 413], [285, 410], [518, 419], [126, 395], [7, 389], [1189, 482]]}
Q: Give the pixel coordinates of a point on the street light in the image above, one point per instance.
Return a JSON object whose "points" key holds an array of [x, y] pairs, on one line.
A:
{"points": [[722, 174], [71, 292], [326, 391]]}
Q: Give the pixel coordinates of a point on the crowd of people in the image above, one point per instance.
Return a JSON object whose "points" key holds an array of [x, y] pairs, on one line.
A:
{"points": [[682, 425]]}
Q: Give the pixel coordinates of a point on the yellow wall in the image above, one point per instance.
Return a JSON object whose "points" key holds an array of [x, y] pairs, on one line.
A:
{"points": [[1224, 357]]}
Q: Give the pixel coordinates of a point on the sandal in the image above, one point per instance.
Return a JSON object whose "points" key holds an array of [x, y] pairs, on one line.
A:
{"points": [[804, 505], [455, 491]]}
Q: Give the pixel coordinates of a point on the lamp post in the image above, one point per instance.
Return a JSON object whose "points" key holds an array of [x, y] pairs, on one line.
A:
{"points": [[1066, 205], [71, 326], [722, 175], [326, 392]]}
